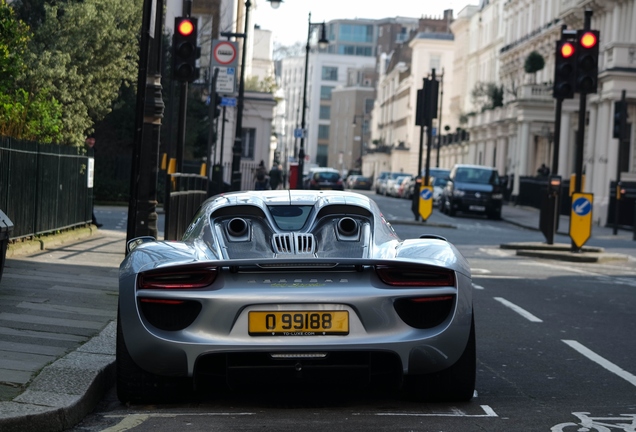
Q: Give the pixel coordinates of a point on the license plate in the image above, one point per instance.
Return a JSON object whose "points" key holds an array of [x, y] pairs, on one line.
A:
{"points": [[298, 323], [477, 208]]}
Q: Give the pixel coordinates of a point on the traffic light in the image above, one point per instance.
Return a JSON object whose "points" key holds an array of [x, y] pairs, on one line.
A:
{"points": [[564, 70], [587, 61], [620, 118], [184, 50]]}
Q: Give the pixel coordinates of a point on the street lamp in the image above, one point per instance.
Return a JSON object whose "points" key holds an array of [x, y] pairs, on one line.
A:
{"points": [[322, 43], [237, 148]]}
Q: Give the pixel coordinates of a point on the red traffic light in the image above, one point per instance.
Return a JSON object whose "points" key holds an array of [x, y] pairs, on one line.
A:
{"points": [[567, 50], [588, 40], [185, 28]]}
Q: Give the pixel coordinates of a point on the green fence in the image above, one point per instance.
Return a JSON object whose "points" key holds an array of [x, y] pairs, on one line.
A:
{"points": [[44, 187]]}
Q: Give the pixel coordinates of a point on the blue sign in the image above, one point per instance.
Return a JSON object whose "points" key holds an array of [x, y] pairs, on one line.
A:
{"points": [[231, 71], [582, 206], [228, 101], [298, 133], [426, 194]]}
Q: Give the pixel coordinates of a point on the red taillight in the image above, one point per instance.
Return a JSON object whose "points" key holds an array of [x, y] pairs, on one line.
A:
{"points": [[414, 277], [177, 279], [161, 301]]}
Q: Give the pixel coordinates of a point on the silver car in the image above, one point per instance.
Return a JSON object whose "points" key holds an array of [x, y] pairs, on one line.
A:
{"points": [[298, 287]]}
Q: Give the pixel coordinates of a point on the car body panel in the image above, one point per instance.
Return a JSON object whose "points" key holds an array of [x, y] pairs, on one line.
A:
{"points": [[340, 273]]}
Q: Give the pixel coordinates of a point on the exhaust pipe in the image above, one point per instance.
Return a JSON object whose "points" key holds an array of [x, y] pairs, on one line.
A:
{"points": [[237, 227], [347, 226]]}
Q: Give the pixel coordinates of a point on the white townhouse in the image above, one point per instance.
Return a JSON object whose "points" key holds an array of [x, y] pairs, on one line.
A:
{"points": [[519, 136]]}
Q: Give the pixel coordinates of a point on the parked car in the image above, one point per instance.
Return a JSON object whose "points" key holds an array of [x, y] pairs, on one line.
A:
{"points": [[358, 182], [324, 179], [474, 189], [311, 288], [380, 181], [397, 187], [438, 183], [387, 185]]}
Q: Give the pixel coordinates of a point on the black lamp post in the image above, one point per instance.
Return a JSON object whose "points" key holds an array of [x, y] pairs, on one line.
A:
{"points": [[322, 43], [237, 148]]}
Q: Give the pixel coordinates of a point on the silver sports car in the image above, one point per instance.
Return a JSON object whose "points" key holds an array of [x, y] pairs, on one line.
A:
{"points": [[299, 287]]}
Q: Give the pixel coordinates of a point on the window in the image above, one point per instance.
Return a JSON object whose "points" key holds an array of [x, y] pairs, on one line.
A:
{"points": [[356, 33], [325, 112], [355, 50], [325, 92], [249, 138], [436, 62], [323, 131], [329, 73], [368, 105]]}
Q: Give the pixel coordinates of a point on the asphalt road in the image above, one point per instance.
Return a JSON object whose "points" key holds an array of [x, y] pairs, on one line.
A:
{"points": [[555, 344]]}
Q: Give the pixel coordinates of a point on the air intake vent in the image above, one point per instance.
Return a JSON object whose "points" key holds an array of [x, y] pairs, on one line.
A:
{"points": [[292, 243]]}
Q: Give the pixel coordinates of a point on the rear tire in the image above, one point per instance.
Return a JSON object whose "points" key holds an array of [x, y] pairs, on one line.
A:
{"points": [[454, 384], [135, 385]]}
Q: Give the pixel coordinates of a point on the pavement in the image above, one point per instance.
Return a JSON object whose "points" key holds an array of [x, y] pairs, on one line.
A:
{"points": [[58, 306]]}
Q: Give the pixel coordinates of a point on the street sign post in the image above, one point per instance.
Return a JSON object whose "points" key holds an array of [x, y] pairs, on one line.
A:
{"points": [[426, 202], [581, 218]]}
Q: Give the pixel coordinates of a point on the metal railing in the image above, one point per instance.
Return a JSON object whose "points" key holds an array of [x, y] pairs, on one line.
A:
{"points": [[44, 187]]}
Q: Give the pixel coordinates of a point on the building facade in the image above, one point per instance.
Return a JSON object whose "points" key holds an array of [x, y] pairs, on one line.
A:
{"points": [[520, 135]]}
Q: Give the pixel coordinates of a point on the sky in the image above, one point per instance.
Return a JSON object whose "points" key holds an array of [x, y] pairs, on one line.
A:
{"points": [[289, 23]]}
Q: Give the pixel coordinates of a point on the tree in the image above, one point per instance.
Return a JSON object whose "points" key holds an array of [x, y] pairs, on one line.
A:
{"points": [[30, 115], [81, 54], [486, 96], [534, 63], [284, 51]]}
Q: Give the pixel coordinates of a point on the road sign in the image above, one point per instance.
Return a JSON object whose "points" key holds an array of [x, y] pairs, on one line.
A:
{"points": [[581, 218], [426, 202], [226, 80], [224, 54], [228, 101], [298, 133]]}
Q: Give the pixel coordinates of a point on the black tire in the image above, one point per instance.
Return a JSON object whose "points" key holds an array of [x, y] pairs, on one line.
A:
{"points": [[454, 384], [135, 385], [451, 210]]}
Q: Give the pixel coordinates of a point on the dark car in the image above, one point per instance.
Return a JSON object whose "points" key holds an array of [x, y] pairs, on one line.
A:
{"points": [[324, 179], [472, 189], [359, 182]]}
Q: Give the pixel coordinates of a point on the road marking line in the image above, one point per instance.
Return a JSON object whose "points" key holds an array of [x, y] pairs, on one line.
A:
{"points": [[478, 287], [524, 313], [601, 361], [489, 412]]}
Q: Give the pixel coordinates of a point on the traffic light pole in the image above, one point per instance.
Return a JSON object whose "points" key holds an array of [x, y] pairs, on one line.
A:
{"points": [[142, 206], [580, 137], [621, 138]]}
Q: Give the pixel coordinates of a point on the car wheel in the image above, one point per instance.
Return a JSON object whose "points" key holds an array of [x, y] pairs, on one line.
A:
{"points": [[135, 385], [450, 210], [454, 384], [495, 215]]}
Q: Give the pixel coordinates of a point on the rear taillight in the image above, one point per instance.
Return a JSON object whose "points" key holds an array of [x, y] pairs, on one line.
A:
{"points": [[186, 278], [415, 276]]}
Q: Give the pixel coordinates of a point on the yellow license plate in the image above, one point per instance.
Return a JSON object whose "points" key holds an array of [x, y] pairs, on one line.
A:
{"points": [[298, 323]]}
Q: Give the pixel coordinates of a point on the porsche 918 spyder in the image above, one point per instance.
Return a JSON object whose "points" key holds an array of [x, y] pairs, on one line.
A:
{"points": [[304, 287]]}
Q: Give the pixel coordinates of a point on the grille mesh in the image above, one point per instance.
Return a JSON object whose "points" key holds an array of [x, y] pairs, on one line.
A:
{"points": [[294, 243]]}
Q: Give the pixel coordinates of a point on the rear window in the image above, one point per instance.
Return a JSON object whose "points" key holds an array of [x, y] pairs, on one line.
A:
{"points": [[290, 217], [327, 176]]}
